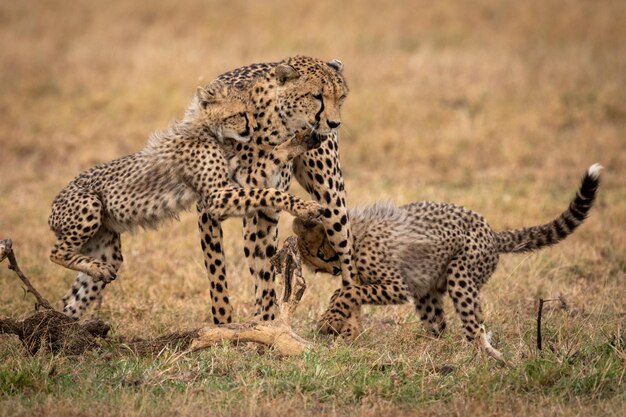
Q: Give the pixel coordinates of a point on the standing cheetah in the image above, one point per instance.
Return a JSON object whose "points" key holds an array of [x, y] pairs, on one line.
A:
{"points": [[187, 163], [425, 249], [288, 96]]}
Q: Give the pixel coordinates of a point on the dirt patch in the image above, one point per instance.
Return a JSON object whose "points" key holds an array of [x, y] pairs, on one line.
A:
{"points": [[52, 331]]}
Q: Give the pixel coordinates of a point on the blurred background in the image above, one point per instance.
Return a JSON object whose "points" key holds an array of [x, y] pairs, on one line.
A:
{"points": [[496, 105]]}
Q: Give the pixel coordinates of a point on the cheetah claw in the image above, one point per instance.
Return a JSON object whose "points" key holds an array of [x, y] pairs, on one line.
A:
{"points": [[110, 278], [106, 276]]}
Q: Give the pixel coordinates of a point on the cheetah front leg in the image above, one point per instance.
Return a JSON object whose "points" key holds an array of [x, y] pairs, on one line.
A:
{"points": [[349, 298], [319, 172], [211, 238], [233, 201], [267, 172], [350, 327], [74, 228], [260, 239], [260, 228]]}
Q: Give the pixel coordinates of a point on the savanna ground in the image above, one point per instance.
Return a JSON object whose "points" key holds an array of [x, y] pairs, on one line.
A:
{"points": [[499, 106]]}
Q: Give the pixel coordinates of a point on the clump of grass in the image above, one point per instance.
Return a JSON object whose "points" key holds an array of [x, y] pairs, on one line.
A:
{"points": [[341, 377], [498, 107]]}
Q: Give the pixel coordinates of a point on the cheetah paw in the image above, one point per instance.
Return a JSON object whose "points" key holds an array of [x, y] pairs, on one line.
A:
{"points": [[351, 330], [314, 141], [105, 273], [329, 325]]}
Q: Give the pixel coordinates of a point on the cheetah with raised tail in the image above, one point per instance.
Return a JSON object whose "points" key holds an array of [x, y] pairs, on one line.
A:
{"points": [[185, 164], [423, 250]]}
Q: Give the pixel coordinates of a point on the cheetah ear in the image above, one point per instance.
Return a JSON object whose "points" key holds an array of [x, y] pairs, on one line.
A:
{"points": [[203, 97], [336, 65], [298, 227], [301, 227], [213, 92], [285, 72]]}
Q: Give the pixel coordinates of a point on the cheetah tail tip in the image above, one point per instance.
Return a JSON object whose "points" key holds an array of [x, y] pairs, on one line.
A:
{"points": [[594, 171]]}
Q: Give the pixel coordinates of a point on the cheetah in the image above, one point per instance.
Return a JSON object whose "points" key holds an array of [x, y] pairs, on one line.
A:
{"points": [[185, 164], [288, 96], [423, 250]]}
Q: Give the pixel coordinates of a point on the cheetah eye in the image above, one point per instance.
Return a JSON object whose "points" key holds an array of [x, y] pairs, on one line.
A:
{"points": [[318, 97], [322, 256]]}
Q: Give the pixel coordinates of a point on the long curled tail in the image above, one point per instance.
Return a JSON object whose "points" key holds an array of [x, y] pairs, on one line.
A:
{"points": [[537, 237]]}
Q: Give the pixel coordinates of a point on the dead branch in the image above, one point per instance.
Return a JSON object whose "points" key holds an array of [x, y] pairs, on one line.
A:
{"points": [[56, 332], [277, 334], [6, 251], [48, 329], [539, 311]]}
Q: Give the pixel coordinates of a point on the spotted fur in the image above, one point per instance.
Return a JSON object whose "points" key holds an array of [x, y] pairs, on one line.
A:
{"points": [[425, 249], [185, 164], [295, 94]]}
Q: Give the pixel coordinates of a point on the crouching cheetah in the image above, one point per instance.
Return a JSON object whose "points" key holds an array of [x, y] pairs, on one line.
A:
{"points": [[423, 250], [184, 164]]}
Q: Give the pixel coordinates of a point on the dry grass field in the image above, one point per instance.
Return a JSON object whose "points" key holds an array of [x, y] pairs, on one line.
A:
{"points": [[499, 106]]}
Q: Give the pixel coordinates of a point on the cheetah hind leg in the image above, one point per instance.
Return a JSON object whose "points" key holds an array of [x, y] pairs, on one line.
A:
{"points": [[71, 257], [83, 292], [485, 336], [485, 340], [104, 246], [77, 228], [467, 306]]}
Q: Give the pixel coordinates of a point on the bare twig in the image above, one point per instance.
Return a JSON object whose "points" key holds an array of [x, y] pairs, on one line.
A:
{"points": [[539, 311], [6, 251], [564, 306]]}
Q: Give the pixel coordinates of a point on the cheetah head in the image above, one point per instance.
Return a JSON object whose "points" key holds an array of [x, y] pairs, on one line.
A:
{"points": [[315, 247], [227, 111], [310, 93]]}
